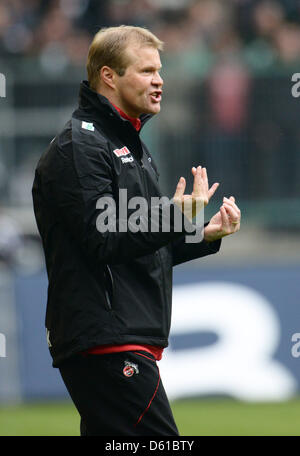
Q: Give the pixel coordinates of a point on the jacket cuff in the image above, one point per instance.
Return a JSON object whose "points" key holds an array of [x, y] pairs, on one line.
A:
{"points": [[213, 246]]}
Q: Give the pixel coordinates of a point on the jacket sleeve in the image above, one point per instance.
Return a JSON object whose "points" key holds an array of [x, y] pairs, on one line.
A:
{"points": [[183, 251], [81, 179]]}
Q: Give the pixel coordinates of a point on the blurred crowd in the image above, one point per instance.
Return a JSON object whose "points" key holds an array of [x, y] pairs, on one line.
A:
{"points": [[227, 98], [264, 30]]}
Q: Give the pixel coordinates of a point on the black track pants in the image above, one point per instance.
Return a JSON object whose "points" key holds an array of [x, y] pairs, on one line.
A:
{"points": [[119, 394]]}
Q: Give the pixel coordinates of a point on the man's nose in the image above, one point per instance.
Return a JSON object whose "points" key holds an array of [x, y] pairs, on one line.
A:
{"points": [[158, 80]]}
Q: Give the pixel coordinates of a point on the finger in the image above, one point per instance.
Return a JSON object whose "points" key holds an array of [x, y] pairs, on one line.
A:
{"points": [[234, 216], [198, 183], [180, 188], [224, 217], [194, 169], [204, 178], [212, 189], [229, 201], [232, 203], [232, 198], [204, 174], [232, 210]]}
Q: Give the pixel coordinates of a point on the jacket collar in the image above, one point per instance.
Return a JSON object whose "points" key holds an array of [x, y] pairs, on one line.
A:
{"points": [[90, 99]]}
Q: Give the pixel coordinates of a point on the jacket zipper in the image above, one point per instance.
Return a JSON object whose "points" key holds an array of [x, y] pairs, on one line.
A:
{"points": [[163, 280], [157, 252], [144, 179], [109, 300]]}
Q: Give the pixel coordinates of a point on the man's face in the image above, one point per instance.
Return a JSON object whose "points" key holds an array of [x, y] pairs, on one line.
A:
{"points": [[139, 90]]}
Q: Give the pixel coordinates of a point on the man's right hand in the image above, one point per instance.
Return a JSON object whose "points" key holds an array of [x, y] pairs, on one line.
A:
{"points": [[190, 205]]}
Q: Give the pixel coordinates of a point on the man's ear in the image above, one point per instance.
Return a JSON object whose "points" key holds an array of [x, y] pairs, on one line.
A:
{"points": [[107, 76]]}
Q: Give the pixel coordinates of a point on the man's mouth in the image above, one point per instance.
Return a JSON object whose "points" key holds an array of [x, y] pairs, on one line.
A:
{"points": [[156, 96]]}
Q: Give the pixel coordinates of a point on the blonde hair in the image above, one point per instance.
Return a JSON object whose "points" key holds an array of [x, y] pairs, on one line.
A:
{"points": [[108, 48]]}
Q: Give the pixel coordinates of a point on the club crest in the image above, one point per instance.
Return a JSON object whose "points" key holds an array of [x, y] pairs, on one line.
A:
{"points": [[130, 369]]}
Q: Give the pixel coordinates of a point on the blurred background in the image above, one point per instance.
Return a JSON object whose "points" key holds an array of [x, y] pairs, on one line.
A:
{"points": [[231, 103]]}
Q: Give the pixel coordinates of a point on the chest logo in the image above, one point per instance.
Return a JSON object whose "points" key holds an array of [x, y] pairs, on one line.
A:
{"points": [[87, 126], [121, 153]]}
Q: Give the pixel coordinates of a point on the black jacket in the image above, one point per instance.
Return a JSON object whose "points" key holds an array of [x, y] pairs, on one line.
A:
{"points": [[111, 287]]}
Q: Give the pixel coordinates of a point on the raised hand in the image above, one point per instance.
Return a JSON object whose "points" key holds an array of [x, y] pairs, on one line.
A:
{"points": [[190, 205], [226, 221]]}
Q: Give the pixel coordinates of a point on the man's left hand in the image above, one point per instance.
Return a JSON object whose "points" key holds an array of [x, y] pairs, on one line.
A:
{"points": [[226, 221]]}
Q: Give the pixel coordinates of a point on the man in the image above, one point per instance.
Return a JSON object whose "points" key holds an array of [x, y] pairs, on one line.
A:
{"points": [[109, 297]]}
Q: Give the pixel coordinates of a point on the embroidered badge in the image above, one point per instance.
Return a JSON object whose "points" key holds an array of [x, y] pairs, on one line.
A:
{"points": [[130, 369], [120, 154], [87, 125]]}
